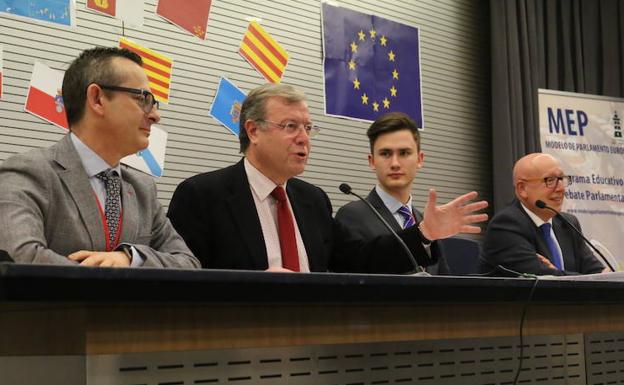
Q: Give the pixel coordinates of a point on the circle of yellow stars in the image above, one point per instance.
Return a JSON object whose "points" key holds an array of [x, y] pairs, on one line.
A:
{"points": [[352, 64]]}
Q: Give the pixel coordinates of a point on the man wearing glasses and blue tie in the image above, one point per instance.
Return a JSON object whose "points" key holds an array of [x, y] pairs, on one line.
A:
{"points": [[255, 215], [74, 203], [528, 239]]}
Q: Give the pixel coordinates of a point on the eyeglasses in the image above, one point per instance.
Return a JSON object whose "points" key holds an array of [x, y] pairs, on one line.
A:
{"points": [[293, 127], [551, 181], [146, 99]]}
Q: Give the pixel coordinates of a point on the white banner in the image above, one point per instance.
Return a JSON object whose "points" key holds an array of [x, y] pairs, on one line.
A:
{"points": [[585, 133]]}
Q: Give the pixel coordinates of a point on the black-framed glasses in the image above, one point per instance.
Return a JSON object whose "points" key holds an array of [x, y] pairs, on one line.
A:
{"points": [[293, 127], [146, 98], [551, 181]]}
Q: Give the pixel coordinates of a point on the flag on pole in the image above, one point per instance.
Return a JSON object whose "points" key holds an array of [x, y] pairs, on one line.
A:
{"points": [[158, 68], [190, 15], [227, 105], [263, 53], [371, 65], [128, 11], [1, 72], [152, 159], [44, 95]]}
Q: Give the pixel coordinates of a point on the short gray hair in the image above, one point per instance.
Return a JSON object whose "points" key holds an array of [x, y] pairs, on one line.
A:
{"points": [[254, 105]]}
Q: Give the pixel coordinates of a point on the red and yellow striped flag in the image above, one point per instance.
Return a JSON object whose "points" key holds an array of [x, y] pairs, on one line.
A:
{"points": [[264, 53], [158, 68]]}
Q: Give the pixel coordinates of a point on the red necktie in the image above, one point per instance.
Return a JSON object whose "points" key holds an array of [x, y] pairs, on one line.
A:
{"points": [[286, 229]]}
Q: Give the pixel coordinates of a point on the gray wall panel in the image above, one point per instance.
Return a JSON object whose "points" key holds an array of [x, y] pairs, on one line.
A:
{"points": [[455, 78]]}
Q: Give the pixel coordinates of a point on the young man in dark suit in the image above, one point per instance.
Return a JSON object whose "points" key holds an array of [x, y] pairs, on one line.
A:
{"points": [[396, 157], [256, 215]]}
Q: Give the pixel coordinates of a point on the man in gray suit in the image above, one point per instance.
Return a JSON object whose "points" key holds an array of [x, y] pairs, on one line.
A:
{"points": [[74, 203], [396, 158]]}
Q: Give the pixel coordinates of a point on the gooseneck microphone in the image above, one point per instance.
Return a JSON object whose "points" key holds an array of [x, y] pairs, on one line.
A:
{"points": [[345, 188], [539, 203]]}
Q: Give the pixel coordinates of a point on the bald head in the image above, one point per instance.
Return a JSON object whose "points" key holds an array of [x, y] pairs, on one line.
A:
{"points": [[528, 177]]}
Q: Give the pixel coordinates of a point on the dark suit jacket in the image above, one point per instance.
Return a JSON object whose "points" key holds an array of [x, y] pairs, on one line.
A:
{"points": [[360, 220], [216, 215], [512, 240]]}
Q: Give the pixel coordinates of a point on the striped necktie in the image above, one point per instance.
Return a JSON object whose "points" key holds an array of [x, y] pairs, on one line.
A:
{"points": [[408, 217]]}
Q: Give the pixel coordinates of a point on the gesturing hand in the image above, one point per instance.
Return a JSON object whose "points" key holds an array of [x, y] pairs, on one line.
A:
{"points": [[452, 218]]}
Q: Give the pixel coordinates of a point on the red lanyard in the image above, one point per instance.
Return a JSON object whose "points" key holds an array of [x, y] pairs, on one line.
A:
{"points": [[109, 247]]}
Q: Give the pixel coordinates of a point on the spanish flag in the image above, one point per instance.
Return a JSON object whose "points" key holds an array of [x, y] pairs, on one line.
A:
{"points": [[158, 68], [263, 53]]}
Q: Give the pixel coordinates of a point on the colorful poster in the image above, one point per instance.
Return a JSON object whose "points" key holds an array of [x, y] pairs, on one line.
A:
{"points": [[585, 132], [1, 73], [157, 66], [227, 105], [190, 15], [58, 12], [44, 95], [371, 66], [152, 159], [263, 53], [128, 11]]}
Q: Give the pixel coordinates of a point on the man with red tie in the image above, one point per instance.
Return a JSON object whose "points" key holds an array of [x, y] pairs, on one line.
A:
{"points": [[256, 215]]}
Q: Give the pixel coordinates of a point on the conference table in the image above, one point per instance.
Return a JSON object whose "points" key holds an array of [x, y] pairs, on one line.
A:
{"points": [[76, 325]]}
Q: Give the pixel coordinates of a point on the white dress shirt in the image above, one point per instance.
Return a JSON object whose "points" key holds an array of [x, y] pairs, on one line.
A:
{"points": [[266, 206]]}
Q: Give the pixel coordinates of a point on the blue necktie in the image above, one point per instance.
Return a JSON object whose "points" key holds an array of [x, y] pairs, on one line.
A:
{"points": [[408, 217], [554, 251]]}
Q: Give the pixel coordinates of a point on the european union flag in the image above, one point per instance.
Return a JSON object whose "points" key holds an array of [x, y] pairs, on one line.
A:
{"points": [[227, 105], [372, 65]]}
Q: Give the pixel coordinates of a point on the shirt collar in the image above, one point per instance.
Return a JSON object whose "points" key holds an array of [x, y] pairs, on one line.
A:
{"points": [[91, 161], [537, 220], [391, 202], [260, 184]]}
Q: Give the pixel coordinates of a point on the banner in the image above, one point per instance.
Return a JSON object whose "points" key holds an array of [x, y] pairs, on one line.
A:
{"points": [[585, 133], [128, 11], [371, 65], [190, 15], [44, 95], [157, 67], [57, 12], [152, 159], [263, 53], [227, 105]]}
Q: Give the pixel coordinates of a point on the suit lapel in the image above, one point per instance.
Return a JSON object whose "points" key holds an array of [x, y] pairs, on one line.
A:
{"points": [[76, 181], [378, 204], [566, 244], [302, 209], [130, 225], [541, 246], [241, 204]]}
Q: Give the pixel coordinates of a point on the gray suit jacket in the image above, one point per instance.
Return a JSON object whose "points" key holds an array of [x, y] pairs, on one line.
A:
{"points": [[365, 225], [48, 210]]}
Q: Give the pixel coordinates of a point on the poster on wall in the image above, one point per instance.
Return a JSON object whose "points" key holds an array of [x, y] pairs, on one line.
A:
{"points": [[227, 105], [264, 53], [130, 12], [57, 12], [371, 65], [190, 15], [44, 95], [157, 67], [585, 133], [152, 159]]}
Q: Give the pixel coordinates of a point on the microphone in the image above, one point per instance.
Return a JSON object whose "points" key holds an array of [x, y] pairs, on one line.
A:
{"points": [[540, 204], [346, 189]]}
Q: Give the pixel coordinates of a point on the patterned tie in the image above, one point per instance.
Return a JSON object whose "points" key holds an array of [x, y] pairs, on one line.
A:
{"points": [[408, 217], [112, 208], [286, 229], [554, 251]]}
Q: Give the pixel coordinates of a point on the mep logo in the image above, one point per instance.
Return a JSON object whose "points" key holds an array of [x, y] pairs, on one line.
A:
{"points": [[617, 127], [567, 121]]}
